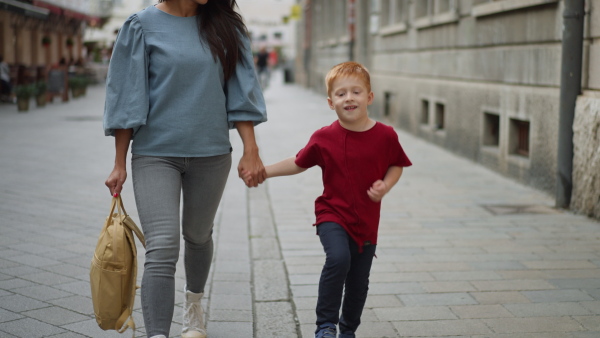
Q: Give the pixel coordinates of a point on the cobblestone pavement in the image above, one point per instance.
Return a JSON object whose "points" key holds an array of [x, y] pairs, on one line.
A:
{"points": [[463, 251]]}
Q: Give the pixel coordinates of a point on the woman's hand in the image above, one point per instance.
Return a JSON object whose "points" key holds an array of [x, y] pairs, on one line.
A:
{"points": [[115, 180], [251, 169]]}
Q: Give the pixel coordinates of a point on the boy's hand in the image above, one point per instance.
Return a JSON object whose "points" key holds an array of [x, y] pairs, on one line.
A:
{"points": [[377, 191], [247, 178]]}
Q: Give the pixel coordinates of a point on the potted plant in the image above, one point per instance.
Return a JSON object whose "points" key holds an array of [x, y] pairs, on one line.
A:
{"points": [[78, 85], [46, 41], [40, 93], [70, 42], [23, 94]]}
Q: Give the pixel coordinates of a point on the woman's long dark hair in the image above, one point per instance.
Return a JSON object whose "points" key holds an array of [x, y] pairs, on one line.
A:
{"points": [[221, 26]]}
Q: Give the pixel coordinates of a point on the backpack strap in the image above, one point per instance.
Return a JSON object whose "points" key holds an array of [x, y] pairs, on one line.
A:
{"points": [[130, 225], [125, 321]]}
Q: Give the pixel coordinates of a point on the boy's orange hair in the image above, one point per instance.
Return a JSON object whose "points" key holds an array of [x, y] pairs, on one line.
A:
{"points": [[349, 68]]}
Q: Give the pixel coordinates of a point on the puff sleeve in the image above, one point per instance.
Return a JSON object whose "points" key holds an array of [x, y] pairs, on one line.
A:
{"points": [[127, 100], [245, 101]]}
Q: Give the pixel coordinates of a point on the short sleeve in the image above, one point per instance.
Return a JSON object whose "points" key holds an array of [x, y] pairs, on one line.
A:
{"points": [[309, 156], [397, 155], [127, 101], [245, 101]]}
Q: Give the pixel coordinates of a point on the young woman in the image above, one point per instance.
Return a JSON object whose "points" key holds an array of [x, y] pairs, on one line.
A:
{"points": [[181, 75]]}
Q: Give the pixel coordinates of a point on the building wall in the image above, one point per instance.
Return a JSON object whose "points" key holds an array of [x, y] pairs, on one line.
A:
{"points": [[473, 76], [586, 127]]}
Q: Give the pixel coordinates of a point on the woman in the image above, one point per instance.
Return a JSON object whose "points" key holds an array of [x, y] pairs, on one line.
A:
{"points": [[181, 75]]}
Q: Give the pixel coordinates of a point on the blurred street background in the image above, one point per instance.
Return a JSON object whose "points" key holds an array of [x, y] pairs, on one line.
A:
{"points": [[493, 232]]}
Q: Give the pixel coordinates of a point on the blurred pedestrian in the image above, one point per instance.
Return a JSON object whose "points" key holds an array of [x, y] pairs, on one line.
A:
{"points": [[5, 86], [262, 67], [181, 75], [361, 160]]}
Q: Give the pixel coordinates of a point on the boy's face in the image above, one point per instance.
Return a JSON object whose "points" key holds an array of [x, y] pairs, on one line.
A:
{"points": [[349, 98]]}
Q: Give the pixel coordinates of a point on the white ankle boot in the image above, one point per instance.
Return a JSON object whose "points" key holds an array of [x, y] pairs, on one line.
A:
{"points": [[193, 316]]}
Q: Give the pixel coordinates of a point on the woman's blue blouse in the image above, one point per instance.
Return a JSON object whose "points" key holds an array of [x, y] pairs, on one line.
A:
{"points": [[165, 84]]}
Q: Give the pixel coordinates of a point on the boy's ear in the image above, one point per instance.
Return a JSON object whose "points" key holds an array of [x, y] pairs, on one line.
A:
{"points": [[330, 103], [370, 98]]}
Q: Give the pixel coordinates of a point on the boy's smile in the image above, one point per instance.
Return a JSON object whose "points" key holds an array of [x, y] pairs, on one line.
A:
{"points": [[349, 98]]}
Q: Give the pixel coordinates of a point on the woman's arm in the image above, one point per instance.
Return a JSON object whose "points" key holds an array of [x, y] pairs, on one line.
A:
{"points": [[250, 163], [117, 177]]}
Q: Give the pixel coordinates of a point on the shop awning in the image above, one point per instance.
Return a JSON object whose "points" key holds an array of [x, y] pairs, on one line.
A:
{"points": [[24, 8], [68, 13]]}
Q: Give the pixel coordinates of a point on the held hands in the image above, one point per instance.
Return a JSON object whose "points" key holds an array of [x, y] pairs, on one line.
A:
{"points": [[115, 180], [251, 169], [377, 191]]}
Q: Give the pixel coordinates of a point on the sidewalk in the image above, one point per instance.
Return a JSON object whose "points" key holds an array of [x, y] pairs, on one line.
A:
{"points": [[463, 252]]}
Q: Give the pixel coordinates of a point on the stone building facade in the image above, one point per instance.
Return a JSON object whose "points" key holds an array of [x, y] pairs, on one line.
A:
{"points": [[480, 78], [37, 34]]}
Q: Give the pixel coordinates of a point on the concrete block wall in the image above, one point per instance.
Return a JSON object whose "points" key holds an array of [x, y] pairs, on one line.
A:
{"points": [[479, 59]]}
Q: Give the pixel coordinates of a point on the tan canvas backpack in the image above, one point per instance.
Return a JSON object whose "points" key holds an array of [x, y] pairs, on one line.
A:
{"points": [[113, 271]]}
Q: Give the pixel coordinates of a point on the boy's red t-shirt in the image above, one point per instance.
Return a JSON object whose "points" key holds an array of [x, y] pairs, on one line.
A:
{"points": [[351, 162]]}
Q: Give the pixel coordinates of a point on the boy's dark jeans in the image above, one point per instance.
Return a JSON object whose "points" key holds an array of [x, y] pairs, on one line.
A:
{"points": [[343, 265]]}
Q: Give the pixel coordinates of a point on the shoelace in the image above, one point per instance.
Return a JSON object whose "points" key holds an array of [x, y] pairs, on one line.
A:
{"points": [[328, 332], [193, 316]]}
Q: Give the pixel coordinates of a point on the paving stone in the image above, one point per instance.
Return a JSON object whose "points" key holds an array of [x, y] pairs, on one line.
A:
{"points": [[437, 299], [55, 315], [375, 330], [79, 304], [395, 288], [274, 319], [380, 301], [591, 323], [445, 287], [90, 328], [414, 313], [6, 316], [229, 329], [547, 309], [502, 297], [551, 296], [594, 306], [14, 283], [442, 328], [270, 281], [480, 311], [512, 285], [230, 315], [231, 302], [231, 288], [18, 303], [41, 292], [523, 325], [28, 327]]}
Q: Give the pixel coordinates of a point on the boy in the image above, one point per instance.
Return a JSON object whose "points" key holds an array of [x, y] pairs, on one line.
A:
{"points": [[361, 160]]}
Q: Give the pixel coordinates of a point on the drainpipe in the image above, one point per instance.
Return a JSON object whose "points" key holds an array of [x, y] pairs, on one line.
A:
{"points": [[570, 88]]}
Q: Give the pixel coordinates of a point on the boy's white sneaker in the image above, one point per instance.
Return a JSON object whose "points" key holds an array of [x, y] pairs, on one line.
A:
{"points": [[193, 316]]}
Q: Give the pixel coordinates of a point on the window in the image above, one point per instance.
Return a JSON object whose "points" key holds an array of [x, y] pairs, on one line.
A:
{"points": [[430, 13], [519, 137], [491, 129], [439, 116], [491, 7], [424, 112], [422, 8], [374, 17], [387, 104], [393, 12]]}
